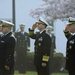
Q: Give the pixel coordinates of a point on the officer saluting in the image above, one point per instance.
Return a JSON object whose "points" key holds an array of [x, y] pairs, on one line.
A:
{"points": [[70, 50], [42, 47], [7, 45]]}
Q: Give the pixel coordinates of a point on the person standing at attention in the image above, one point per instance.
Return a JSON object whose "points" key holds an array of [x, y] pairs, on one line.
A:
{"points": [[22, 47], [49, 31], [70, 48], [42, 47], [7, 46]]}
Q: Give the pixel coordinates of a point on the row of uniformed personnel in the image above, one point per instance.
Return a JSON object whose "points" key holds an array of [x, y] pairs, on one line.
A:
{"points": [[9, 55], [42, 47]]}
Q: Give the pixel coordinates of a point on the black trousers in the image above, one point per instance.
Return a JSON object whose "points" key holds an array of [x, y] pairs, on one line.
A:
{"points": [[71, 72], [5, 72], [42, 70]]}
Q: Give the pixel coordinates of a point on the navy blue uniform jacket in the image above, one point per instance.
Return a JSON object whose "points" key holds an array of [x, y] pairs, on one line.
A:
{"points": [[7, 45], [42, 47], [70, 51]]}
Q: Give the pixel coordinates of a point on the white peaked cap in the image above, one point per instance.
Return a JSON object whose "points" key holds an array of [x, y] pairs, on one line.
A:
{"points": [[43, 20], [49, 27], [4, 22], [71, 19]]}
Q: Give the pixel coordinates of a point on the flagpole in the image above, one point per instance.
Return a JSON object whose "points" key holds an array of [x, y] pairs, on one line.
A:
{"points": [[13, 14]]}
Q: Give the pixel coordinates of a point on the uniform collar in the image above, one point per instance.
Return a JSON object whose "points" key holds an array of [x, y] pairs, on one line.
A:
{"points": [[72, 33], [42, 31], [7, 33]]}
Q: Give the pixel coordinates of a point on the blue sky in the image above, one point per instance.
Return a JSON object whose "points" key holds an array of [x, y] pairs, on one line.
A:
{"points": [[23, 8]]}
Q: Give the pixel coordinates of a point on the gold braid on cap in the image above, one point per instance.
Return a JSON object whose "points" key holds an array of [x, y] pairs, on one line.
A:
{"points": [[71, 22], [41, 22], [6, 25]]}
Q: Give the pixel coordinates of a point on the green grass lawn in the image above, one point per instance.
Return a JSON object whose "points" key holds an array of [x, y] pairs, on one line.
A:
{"points": [[28, 73], [34, 73], [59, 74]]}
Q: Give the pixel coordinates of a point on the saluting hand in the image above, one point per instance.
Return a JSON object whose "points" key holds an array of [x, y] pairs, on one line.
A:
{"points": [[67, 28], [34, 25]]}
